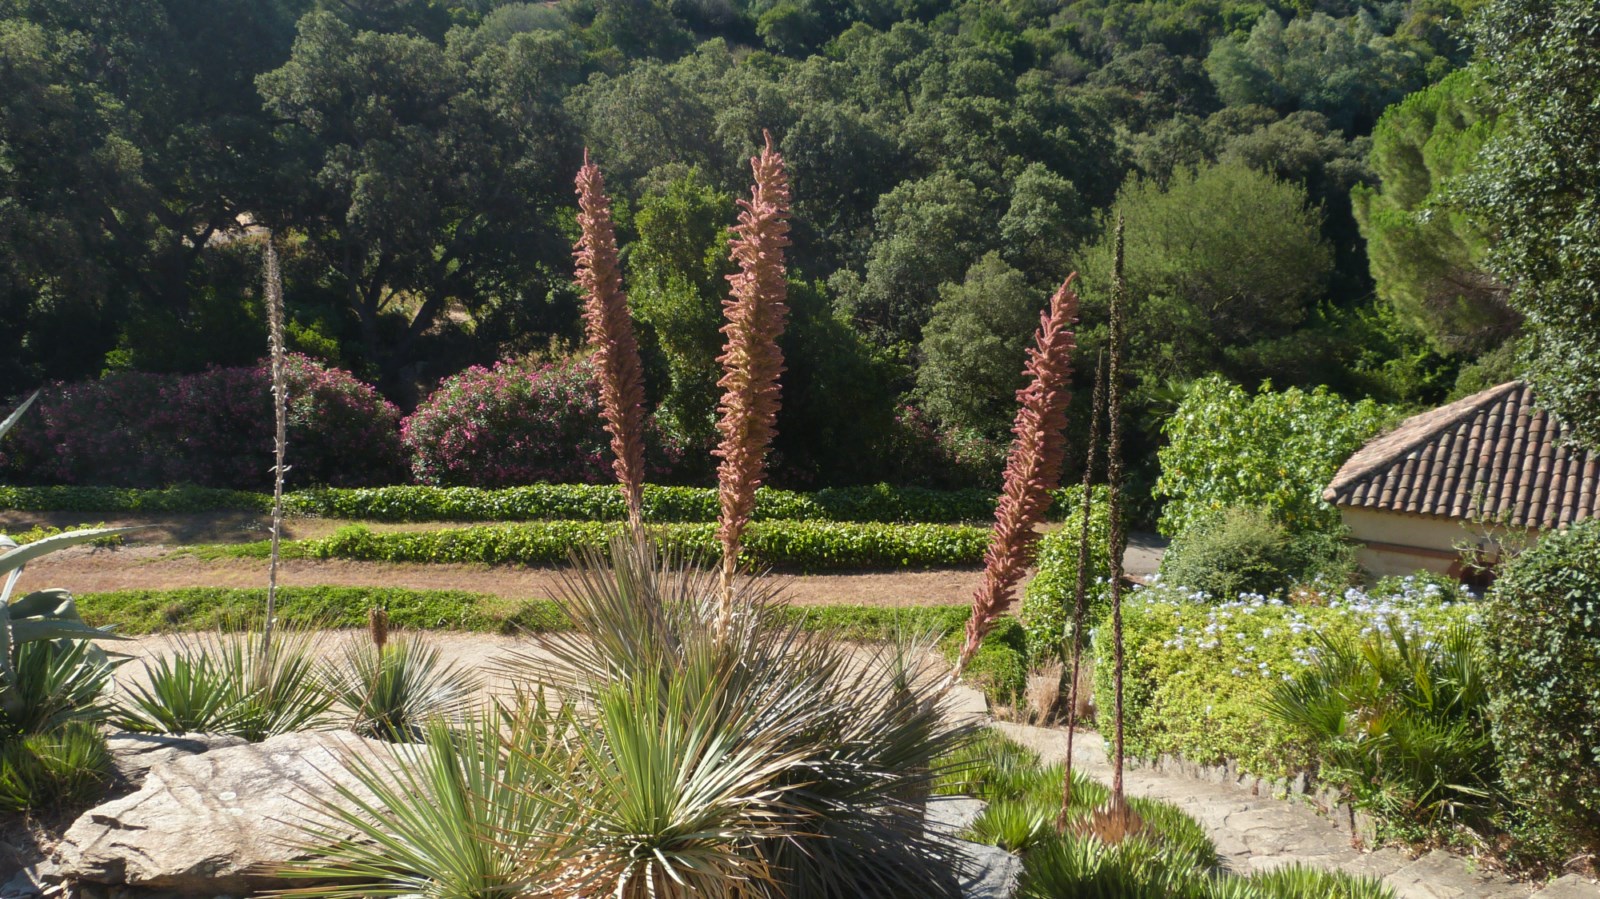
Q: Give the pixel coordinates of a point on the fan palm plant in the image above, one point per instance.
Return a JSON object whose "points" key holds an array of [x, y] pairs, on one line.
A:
{"points": [[1403, 723]]}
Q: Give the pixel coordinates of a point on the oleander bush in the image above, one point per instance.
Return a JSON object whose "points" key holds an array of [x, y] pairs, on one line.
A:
{"points": [[519, 422], [213, 429], [795, 545], [1047, 605], [1544, 663], [1198, 670]]}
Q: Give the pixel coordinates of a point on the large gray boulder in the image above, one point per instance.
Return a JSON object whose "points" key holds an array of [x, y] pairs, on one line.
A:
{"points": [[987, 872], [215, 823]]}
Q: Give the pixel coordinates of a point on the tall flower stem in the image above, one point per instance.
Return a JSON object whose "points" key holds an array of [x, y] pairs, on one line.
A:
{"points": [[1080, 593], [756, 313], [1119, 536], [609, 329], [272, 291], [1033, 469]]}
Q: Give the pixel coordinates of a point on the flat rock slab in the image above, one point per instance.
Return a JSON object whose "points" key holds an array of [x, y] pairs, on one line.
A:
{"points": [[1570, 887], [133, 755], [214, 823]]}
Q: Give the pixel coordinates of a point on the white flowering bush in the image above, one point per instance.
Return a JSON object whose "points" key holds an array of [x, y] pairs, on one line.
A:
{"points": [[1198, 669]]}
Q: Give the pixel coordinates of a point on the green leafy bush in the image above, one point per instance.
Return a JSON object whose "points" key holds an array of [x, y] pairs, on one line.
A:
{"points": [[1400, 722], [802, 545], [1199, 670], [1544, 659], [1000, 667], [1272, 451], [534, 502], [1230, 552], [1048, 603]]}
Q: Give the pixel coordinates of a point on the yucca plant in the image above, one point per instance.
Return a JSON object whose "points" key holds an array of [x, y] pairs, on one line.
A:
{"points": [[475, 812], [831, 753], [1402, 723], [391, 691], [231, 683], [66, 766], [1298, 881]]}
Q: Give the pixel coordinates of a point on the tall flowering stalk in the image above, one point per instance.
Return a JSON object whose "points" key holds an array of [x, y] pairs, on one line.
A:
{"points": [[1033, 469], [610, 332], [272, 292], [751, 363], [1124, 820], [1080, 593]]}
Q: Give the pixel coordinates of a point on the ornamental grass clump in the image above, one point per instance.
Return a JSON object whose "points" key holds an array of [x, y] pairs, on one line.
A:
{"points": [[609, 328], [752, 361], [1033, 469]]}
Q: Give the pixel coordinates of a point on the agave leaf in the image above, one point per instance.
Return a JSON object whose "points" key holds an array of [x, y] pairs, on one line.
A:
{"points": [[53, 602], [27, 630], [11, 420]]}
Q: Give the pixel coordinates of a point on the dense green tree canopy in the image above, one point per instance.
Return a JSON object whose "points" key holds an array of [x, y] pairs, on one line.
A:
{"points": [[1534, 189], [1427, 255], [414, 158]]}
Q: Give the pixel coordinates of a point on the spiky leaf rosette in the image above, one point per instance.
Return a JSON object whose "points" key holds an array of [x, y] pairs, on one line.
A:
{"points": [[610, 332], [751, 363], [1033, 468]]}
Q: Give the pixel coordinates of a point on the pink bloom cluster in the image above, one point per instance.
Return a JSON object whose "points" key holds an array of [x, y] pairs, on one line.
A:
{"points": [[515, 423], [213, 428]]}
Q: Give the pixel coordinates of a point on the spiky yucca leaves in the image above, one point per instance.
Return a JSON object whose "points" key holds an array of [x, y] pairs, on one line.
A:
{"points": [[67, 766], [1033, 468], [609, 328], [751, 361], [231, 683], [391, 691], [58, 682], [818, 754], [474, 813]]}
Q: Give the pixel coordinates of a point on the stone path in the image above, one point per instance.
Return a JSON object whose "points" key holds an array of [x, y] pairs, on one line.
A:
{"points": [[1257, 832]]}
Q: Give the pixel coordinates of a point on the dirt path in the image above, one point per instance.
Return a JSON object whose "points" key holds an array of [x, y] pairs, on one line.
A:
{"points": [[141, 568], [145, 564]]}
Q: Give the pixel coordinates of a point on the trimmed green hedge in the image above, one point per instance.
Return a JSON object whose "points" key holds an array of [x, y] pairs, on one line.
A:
{"points": [[799, 545], [1197, 671], [208, 608], [538, 502]]}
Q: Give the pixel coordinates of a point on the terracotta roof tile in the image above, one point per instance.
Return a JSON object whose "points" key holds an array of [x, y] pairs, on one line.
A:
{"points": [[1492, 455]]}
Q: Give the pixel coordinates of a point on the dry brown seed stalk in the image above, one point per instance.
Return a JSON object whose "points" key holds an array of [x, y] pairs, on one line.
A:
{"points": [[1080, 593], [272, 291], [1119, 313], [610, 332], [1033, 468], [756, 313]]}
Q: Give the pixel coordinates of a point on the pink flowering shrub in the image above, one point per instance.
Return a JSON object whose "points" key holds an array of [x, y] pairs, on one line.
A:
{"points": [[517, 423], [213, 429]]}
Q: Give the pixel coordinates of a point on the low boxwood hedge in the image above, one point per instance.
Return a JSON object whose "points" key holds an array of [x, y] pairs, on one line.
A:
{"points": [[1197, 670], [584, 502], [793, 545]]}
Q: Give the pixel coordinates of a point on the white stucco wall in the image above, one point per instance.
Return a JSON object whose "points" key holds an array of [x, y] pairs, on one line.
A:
{"points": [[1399, 544]]}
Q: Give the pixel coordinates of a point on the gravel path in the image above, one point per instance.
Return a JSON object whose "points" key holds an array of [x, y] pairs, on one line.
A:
{"points": [[1257, 833]]}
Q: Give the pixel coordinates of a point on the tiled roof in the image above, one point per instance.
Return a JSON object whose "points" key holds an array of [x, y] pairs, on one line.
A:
{"points": [[1490, 456]]}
